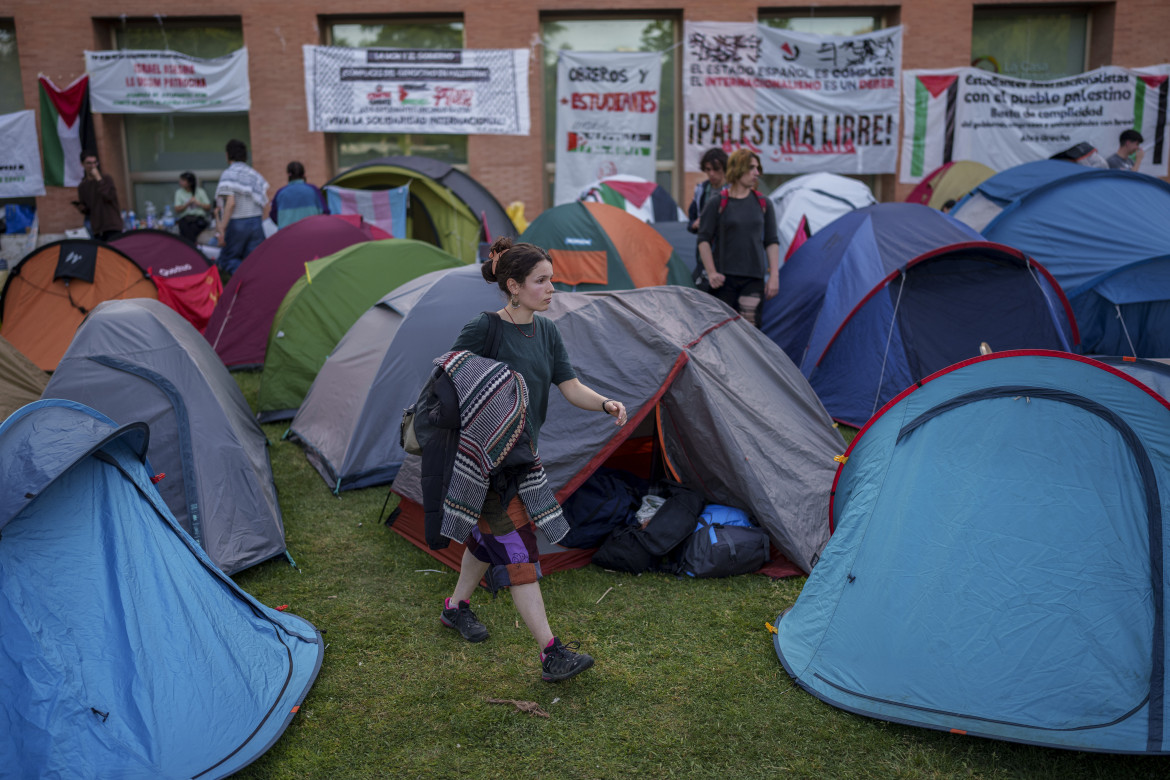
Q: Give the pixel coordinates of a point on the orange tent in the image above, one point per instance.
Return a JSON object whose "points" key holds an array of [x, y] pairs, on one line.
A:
{"points": [[49, 292]]}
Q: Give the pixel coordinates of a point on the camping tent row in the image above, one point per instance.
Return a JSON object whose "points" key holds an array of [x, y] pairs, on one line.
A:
{"points": [[997, 564], [377, 367], [1104, 236], [886, 295], [127, 653]]}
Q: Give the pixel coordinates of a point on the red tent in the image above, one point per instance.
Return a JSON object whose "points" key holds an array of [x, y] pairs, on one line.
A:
{"points": [[186, 281]]}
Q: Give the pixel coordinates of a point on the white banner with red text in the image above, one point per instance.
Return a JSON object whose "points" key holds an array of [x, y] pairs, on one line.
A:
{"points": [[453, 91], [1001, 121], [607, 118], [802, 102], [164, 82]]}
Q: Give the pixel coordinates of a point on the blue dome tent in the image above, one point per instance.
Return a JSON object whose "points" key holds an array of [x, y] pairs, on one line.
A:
{"points": [[1105, 237], [997, 566], [127, 653], [888, 294]]}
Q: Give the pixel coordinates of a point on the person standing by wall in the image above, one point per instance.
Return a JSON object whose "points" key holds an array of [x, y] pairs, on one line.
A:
{"points": [[242, 194], [297, 199], [97, 199], [504, 540], [740, 223]]}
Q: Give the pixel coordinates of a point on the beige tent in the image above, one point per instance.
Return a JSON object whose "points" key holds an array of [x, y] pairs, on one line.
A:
{"points": [[21, 382]]}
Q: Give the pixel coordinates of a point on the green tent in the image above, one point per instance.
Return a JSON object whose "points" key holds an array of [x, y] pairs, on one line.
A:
{"points": [[322, 306], [447, 207], [595, 246]]}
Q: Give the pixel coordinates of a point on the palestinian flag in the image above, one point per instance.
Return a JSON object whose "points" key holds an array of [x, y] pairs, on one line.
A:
{"points": [[935, 102], [1149, 111], [66, 129]]}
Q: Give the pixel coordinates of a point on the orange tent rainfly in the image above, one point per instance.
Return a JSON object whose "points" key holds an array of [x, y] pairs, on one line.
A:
{"points": [[49, 292]]}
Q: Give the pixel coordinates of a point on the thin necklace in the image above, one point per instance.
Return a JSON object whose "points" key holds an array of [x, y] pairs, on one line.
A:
{"points": [[522, 333]]}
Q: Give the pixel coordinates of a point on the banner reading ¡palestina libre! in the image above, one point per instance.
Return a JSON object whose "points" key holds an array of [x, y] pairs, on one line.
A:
{"points": [[472, 91], [165, 82], [607, 118], [803, 102], [973, 114], [20, 159]]}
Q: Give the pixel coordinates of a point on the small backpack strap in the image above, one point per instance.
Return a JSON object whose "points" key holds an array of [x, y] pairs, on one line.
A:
{"points": [[722, 199], [491, 343], [763, 201]]}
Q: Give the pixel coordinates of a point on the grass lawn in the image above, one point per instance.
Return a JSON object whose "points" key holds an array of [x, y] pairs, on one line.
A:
{"points": [[686, 683]]}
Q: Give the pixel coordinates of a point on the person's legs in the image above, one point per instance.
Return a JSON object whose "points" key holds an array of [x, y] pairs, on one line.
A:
{"points": [[234, 240], [471, 571], [530, 604]]}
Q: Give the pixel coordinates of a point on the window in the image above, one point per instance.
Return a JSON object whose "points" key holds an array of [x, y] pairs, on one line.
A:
{"points": [[11, 93], [822, 22], [354, 148], [613, 35], [161, 146], [1039, 44]]}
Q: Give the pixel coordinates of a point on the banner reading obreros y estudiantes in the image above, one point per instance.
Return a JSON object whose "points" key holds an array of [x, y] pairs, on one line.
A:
{"points": [[802, 102], [473, 91], [165, 82], [973, 114], [607, 117], [20, 158]]}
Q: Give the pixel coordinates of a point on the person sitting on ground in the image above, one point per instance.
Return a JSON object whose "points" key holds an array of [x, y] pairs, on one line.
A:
{"points": [[193, 207], [242, 194], [297, 199], [739, 246], [503, 539], [1128, 156]]}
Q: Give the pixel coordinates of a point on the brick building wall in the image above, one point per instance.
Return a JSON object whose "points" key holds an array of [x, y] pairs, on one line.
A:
{"points": [[51, 39]]}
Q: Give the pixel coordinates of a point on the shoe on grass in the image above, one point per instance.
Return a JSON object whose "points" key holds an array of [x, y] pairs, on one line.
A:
{"points": [[463, 620], [560, 662]]}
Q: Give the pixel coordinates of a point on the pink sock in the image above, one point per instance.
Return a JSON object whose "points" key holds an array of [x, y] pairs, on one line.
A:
{"points": [[551, 642], [447, 604]]}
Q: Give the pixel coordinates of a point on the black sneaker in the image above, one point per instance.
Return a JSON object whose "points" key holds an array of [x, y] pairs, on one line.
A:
{"points": [[463, 620], [560, 662]]}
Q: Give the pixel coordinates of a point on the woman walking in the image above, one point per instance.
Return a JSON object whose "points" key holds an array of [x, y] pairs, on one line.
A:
{"points": [[504, 540], [741, 224]]}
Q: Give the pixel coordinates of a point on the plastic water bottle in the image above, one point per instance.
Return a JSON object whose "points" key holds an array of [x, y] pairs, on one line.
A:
{"points": [[168, 219], [131, 222], [151, 215]]}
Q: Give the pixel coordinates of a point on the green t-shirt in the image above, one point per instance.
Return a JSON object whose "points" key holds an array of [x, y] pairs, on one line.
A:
{"points": [[542, 360]]}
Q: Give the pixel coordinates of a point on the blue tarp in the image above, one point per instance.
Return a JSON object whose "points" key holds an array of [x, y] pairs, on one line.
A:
{"points": [[127, 653], [997, 565], [888, 294]]}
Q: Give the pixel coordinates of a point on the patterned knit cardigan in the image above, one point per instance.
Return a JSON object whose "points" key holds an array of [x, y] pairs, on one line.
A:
{"points": [[493, 409]]}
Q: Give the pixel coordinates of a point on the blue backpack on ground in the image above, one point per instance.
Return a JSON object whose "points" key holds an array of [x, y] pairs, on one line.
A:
{"points": [[725, 543]]}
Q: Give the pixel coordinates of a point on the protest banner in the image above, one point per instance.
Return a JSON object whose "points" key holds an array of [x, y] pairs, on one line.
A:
{"points": [[802, 102], [165, 82], [20, 159], [472, 91], [973, 114], [607, 118]]}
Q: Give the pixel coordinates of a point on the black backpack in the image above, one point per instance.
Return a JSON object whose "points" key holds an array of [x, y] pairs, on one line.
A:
{"points": [[657, 546], [716, 550]]}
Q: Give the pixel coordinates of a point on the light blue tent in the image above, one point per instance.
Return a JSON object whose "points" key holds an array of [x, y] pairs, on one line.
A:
{"points": [[126, 652], [997, 566], [1104, 235]]}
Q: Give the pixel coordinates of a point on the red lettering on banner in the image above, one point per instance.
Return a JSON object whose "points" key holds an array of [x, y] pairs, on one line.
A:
{"points": [[642, 102]]}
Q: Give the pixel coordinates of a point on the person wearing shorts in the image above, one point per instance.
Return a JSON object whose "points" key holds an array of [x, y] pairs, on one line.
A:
{"points": [[503, 545]]}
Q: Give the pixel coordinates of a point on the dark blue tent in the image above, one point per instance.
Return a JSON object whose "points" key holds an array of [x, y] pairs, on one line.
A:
{"points": [[1105, 237], [997, 565], [888, 294], [127, 653]]}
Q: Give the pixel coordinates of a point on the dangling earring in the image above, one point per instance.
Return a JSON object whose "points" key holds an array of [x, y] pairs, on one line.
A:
{"points": [[515, 302]]}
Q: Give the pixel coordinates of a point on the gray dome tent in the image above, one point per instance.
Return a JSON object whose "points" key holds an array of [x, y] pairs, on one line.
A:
{"points": [[139, 361], [737, 420]]}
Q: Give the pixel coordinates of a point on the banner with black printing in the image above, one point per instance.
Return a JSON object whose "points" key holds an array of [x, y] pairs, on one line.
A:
{"points": [[802, 102], [20, 159], [454, 91], [1002, 121], [607, 118]]}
